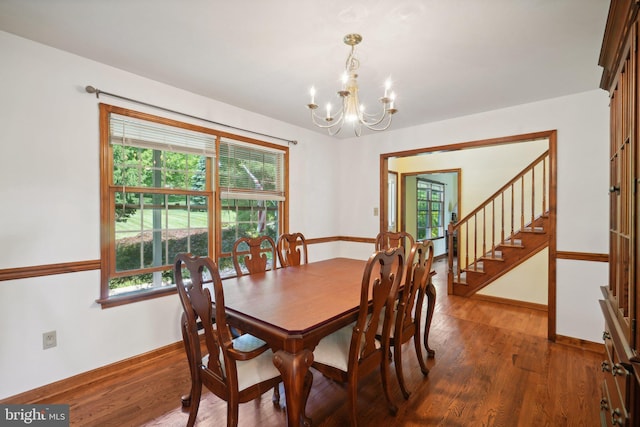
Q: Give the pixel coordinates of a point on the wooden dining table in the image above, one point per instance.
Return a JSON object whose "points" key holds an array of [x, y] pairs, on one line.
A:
{"points": [[292, 309]]}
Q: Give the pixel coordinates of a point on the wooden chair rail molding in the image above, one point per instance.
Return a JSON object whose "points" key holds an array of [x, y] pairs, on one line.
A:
{"points": [[582, 256], [74, 267], [48, 269]]}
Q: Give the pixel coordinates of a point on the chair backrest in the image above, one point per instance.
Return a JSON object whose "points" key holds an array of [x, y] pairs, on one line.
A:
{"points": [[418, 270], [393, 239], [198, 307], [380, 284], [255, 258], [292, 249]]}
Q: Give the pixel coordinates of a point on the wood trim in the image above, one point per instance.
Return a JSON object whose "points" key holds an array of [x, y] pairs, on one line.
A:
{"points": [[106, 165], [516, 303], [284, 218], [48, 393], [582, 256], [115, 301], [620, 20], [472, 144], [78, 266], [357, 239], [341, 239], [48, 269], [384, 195], [552, 231], [322, 240], [581, 344]]}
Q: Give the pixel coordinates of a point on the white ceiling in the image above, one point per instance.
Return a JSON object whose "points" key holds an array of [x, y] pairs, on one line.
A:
{"points": [[447, 58]]}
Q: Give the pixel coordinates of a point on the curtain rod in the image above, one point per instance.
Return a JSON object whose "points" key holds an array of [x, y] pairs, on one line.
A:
{"points": [[98, 92]]}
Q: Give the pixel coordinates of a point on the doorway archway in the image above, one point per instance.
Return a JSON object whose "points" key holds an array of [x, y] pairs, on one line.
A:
{"points": [[549, 136]]}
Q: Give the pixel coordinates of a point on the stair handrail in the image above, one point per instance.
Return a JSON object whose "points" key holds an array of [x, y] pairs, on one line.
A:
{"points": [[453, 227]]}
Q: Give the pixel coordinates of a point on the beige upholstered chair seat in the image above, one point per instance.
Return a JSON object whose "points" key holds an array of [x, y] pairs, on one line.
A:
{"points": [[333, 350], [251, 371]]}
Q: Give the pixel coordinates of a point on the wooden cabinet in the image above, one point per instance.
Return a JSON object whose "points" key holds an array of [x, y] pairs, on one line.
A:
{"points": [[620, 403], [619, 381]]}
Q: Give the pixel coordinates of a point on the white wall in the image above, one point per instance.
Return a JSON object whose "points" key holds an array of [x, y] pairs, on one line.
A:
{"points": [[49, 194], [527, 282], [582, 223], [49, 197]]}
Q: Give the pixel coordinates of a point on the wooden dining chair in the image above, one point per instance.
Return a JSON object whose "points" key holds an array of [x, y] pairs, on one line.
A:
{"points": [[408, 314], [292, 249], [255, 258], [354, 351], [393, 239], [236, 370]]}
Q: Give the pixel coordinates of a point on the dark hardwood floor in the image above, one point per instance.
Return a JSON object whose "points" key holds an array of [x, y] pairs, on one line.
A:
{"points": [[493, 367]]}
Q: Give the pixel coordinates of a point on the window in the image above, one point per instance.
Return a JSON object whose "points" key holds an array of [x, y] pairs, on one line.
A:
{"points": [[251, 183], [158, 198], [430, 209]]}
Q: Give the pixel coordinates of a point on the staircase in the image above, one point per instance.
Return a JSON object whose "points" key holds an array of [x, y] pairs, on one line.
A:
{"points": [[505, 230]]}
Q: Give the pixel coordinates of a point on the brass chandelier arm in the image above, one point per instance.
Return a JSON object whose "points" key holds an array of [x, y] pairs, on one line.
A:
{"points": [[317, 120]]}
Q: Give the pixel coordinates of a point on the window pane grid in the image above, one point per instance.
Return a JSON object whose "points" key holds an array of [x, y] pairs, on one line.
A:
{"points": [[245, 218], [429, 209], [138, 167], [153, 231]]}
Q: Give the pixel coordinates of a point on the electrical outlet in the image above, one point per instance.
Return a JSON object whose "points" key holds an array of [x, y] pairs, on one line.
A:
{"points": [[49, 340]]}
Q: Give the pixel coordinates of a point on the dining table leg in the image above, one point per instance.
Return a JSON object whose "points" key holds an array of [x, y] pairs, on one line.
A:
{"points": [[294, 368]]}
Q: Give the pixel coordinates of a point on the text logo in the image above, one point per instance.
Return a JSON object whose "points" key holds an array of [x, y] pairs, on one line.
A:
{"points": [[34, 415]]}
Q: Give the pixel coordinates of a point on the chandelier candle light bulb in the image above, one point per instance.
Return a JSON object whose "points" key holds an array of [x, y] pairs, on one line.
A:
{"points": [[351, 110]]}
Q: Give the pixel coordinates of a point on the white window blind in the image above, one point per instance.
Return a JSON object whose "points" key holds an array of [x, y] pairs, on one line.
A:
{"points": [[144, 134], [249, 171]]}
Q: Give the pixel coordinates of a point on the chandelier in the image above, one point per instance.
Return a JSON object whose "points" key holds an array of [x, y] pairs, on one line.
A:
{"points": [[351, 111]]}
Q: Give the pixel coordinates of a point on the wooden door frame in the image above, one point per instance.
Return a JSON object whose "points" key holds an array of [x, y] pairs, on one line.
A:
{"points": [[551, 136]]}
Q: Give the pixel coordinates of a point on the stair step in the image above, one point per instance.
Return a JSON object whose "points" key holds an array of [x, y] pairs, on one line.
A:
{"points": [[516, 243], [478, 269], [462, 280], [492, 258], [538, 230]]}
